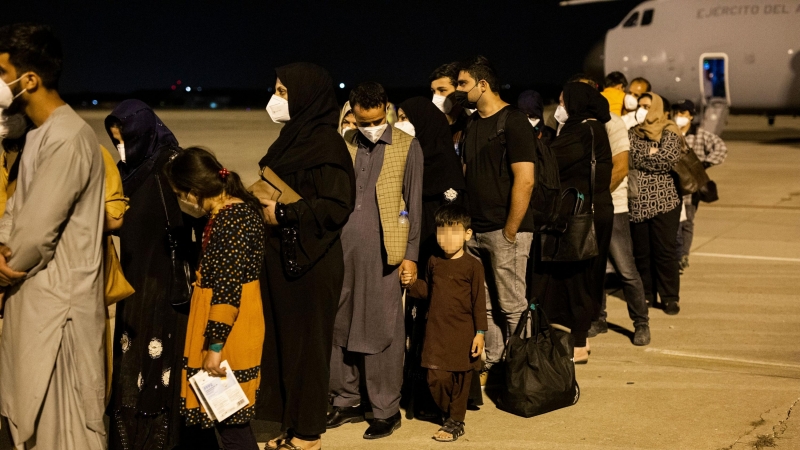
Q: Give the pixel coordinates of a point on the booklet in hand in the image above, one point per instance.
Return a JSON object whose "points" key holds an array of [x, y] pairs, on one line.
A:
{"points": [[221, 397]]}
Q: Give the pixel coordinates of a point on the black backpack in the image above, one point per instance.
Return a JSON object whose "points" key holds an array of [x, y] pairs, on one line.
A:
{"points": [[546, 196]]}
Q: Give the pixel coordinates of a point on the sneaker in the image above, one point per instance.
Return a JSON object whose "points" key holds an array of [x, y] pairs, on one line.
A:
{"points": [[598, 327], [672, 308], [642, 335]]}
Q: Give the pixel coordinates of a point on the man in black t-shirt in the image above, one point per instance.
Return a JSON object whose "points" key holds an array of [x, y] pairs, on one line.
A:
{"points": [[499, 184]]}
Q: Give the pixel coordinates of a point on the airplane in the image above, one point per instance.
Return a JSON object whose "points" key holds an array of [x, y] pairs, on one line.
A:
{"points": [[741, 56]]}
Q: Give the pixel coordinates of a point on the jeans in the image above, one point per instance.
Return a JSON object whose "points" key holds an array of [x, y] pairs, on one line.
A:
{"points": [[656, 254], [505, 265], [686, 228], [621, 256]]}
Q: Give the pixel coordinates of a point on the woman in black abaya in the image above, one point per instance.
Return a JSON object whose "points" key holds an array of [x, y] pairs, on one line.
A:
{"points": [[149, 333], [442, 183], [303, 257], [564, 289]]}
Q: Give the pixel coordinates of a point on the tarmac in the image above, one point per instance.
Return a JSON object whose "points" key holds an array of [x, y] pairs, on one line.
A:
{"points": [[722, 374]]}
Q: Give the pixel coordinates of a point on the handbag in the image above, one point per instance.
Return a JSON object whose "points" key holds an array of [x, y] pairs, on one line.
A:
{"points": [[574, 239], [117, 287], [271, 187], [691, 174], [181, 281], [540, 374]]}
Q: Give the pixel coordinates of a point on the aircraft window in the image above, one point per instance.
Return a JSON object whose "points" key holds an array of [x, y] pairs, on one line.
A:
{"points": [[647, 17], [632, 21]]}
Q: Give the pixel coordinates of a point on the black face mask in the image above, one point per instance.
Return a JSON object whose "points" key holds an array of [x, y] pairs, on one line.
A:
{"points": [[461, 98], [456, 110]]}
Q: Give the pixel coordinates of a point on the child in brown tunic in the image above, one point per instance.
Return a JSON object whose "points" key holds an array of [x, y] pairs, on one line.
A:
{"points": [[456, 319]]}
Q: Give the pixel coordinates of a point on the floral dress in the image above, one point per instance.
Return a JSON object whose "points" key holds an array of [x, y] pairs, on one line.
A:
{"points": [[226, 305]]}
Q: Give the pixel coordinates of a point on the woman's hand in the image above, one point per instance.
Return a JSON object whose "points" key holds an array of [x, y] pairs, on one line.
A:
{"points": [[211, 364], [269, 211]]}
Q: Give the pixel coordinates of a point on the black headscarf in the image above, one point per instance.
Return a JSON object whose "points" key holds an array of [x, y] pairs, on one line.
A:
{"points": [[144, 134], [530, 102], [585, 102], [309, 138], [442, 166]]}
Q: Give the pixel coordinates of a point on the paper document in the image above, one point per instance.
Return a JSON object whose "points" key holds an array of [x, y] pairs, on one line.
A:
{"points": [[221, 397]]}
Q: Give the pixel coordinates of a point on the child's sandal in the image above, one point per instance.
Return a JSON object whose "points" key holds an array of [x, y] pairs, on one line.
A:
{"points": [[455, 429]]}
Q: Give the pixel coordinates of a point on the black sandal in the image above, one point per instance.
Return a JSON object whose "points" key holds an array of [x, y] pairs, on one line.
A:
{"points": [[455, 429]]}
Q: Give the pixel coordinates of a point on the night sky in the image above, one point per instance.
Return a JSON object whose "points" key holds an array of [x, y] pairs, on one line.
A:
{"points": [[124, 46]]}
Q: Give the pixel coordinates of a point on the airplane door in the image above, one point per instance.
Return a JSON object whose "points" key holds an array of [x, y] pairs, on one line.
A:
{"points": [[714, 87], [714, 77]]}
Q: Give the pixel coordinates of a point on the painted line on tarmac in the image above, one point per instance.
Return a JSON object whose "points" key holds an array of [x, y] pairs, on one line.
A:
{"points": [[759, 258], [721, 358]]}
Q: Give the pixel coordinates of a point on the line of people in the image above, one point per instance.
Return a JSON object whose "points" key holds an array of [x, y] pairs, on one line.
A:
{"points": [[407, 253]]}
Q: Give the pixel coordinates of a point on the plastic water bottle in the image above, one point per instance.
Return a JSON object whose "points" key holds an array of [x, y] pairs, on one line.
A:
{"points": [[403, 220]]}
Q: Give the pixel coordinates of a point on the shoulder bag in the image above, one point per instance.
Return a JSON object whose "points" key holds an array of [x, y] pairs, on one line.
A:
{"points": [[691, 174], [181, 279], [574, 239]]}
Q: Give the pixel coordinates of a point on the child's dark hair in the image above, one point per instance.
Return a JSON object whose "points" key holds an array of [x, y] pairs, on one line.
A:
{"points": [[196, 170], [449, 215]]}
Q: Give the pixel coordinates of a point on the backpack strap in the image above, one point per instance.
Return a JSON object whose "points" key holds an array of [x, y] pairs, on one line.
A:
{"points": [[501, 126]]}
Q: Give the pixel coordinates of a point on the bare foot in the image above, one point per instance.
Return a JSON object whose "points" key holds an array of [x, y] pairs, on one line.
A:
{"points": [[275, 443], [442, 436], [581, 355], [307, 445]]}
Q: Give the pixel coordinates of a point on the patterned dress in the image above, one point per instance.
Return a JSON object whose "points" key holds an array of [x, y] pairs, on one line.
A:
{"points": [[226, 305]]}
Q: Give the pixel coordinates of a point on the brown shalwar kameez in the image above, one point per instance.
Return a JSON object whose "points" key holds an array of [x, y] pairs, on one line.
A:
{"points": [[457, 312]]}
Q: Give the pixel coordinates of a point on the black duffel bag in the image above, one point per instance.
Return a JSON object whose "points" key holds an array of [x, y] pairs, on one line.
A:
{"points": [[540, 373]]}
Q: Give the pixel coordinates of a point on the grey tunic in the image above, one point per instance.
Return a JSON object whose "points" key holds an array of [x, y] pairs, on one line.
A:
{"points": [[371, 297], [52, 382]]}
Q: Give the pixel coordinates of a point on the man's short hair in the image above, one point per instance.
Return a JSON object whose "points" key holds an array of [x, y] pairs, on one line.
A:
{"points": [[643, 80], [451, 215], [368, 95], [449, 70], [33, 48], [479, 68], [614, 79]]}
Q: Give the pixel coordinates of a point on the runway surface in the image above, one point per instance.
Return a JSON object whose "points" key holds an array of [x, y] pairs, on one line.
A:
{"points": [[723, 372]]}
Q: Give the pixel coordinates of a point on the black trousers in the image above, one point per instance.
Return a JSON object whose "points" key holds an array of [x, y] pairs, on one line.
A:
{"points": [[656, 252], [237, 437]]}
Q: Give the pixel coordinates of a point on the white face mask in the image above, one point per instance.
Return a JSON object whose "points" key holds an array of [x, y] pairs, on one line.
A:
{"points": [[121, 150], [406, 126], [278, 109], [561, 114], [6, 96], [470, 111], [345, 130], [641, 115], [191, 209], [12, 126], [373, 133], [443, 103], [534, 122], [631, 102], [681, 121]]}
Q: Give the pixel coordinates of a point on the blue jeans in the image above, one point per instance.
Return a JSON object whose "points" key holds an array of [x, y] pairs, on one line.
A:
{"points": [[505, 265], [621, 256], [686, 228]]}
